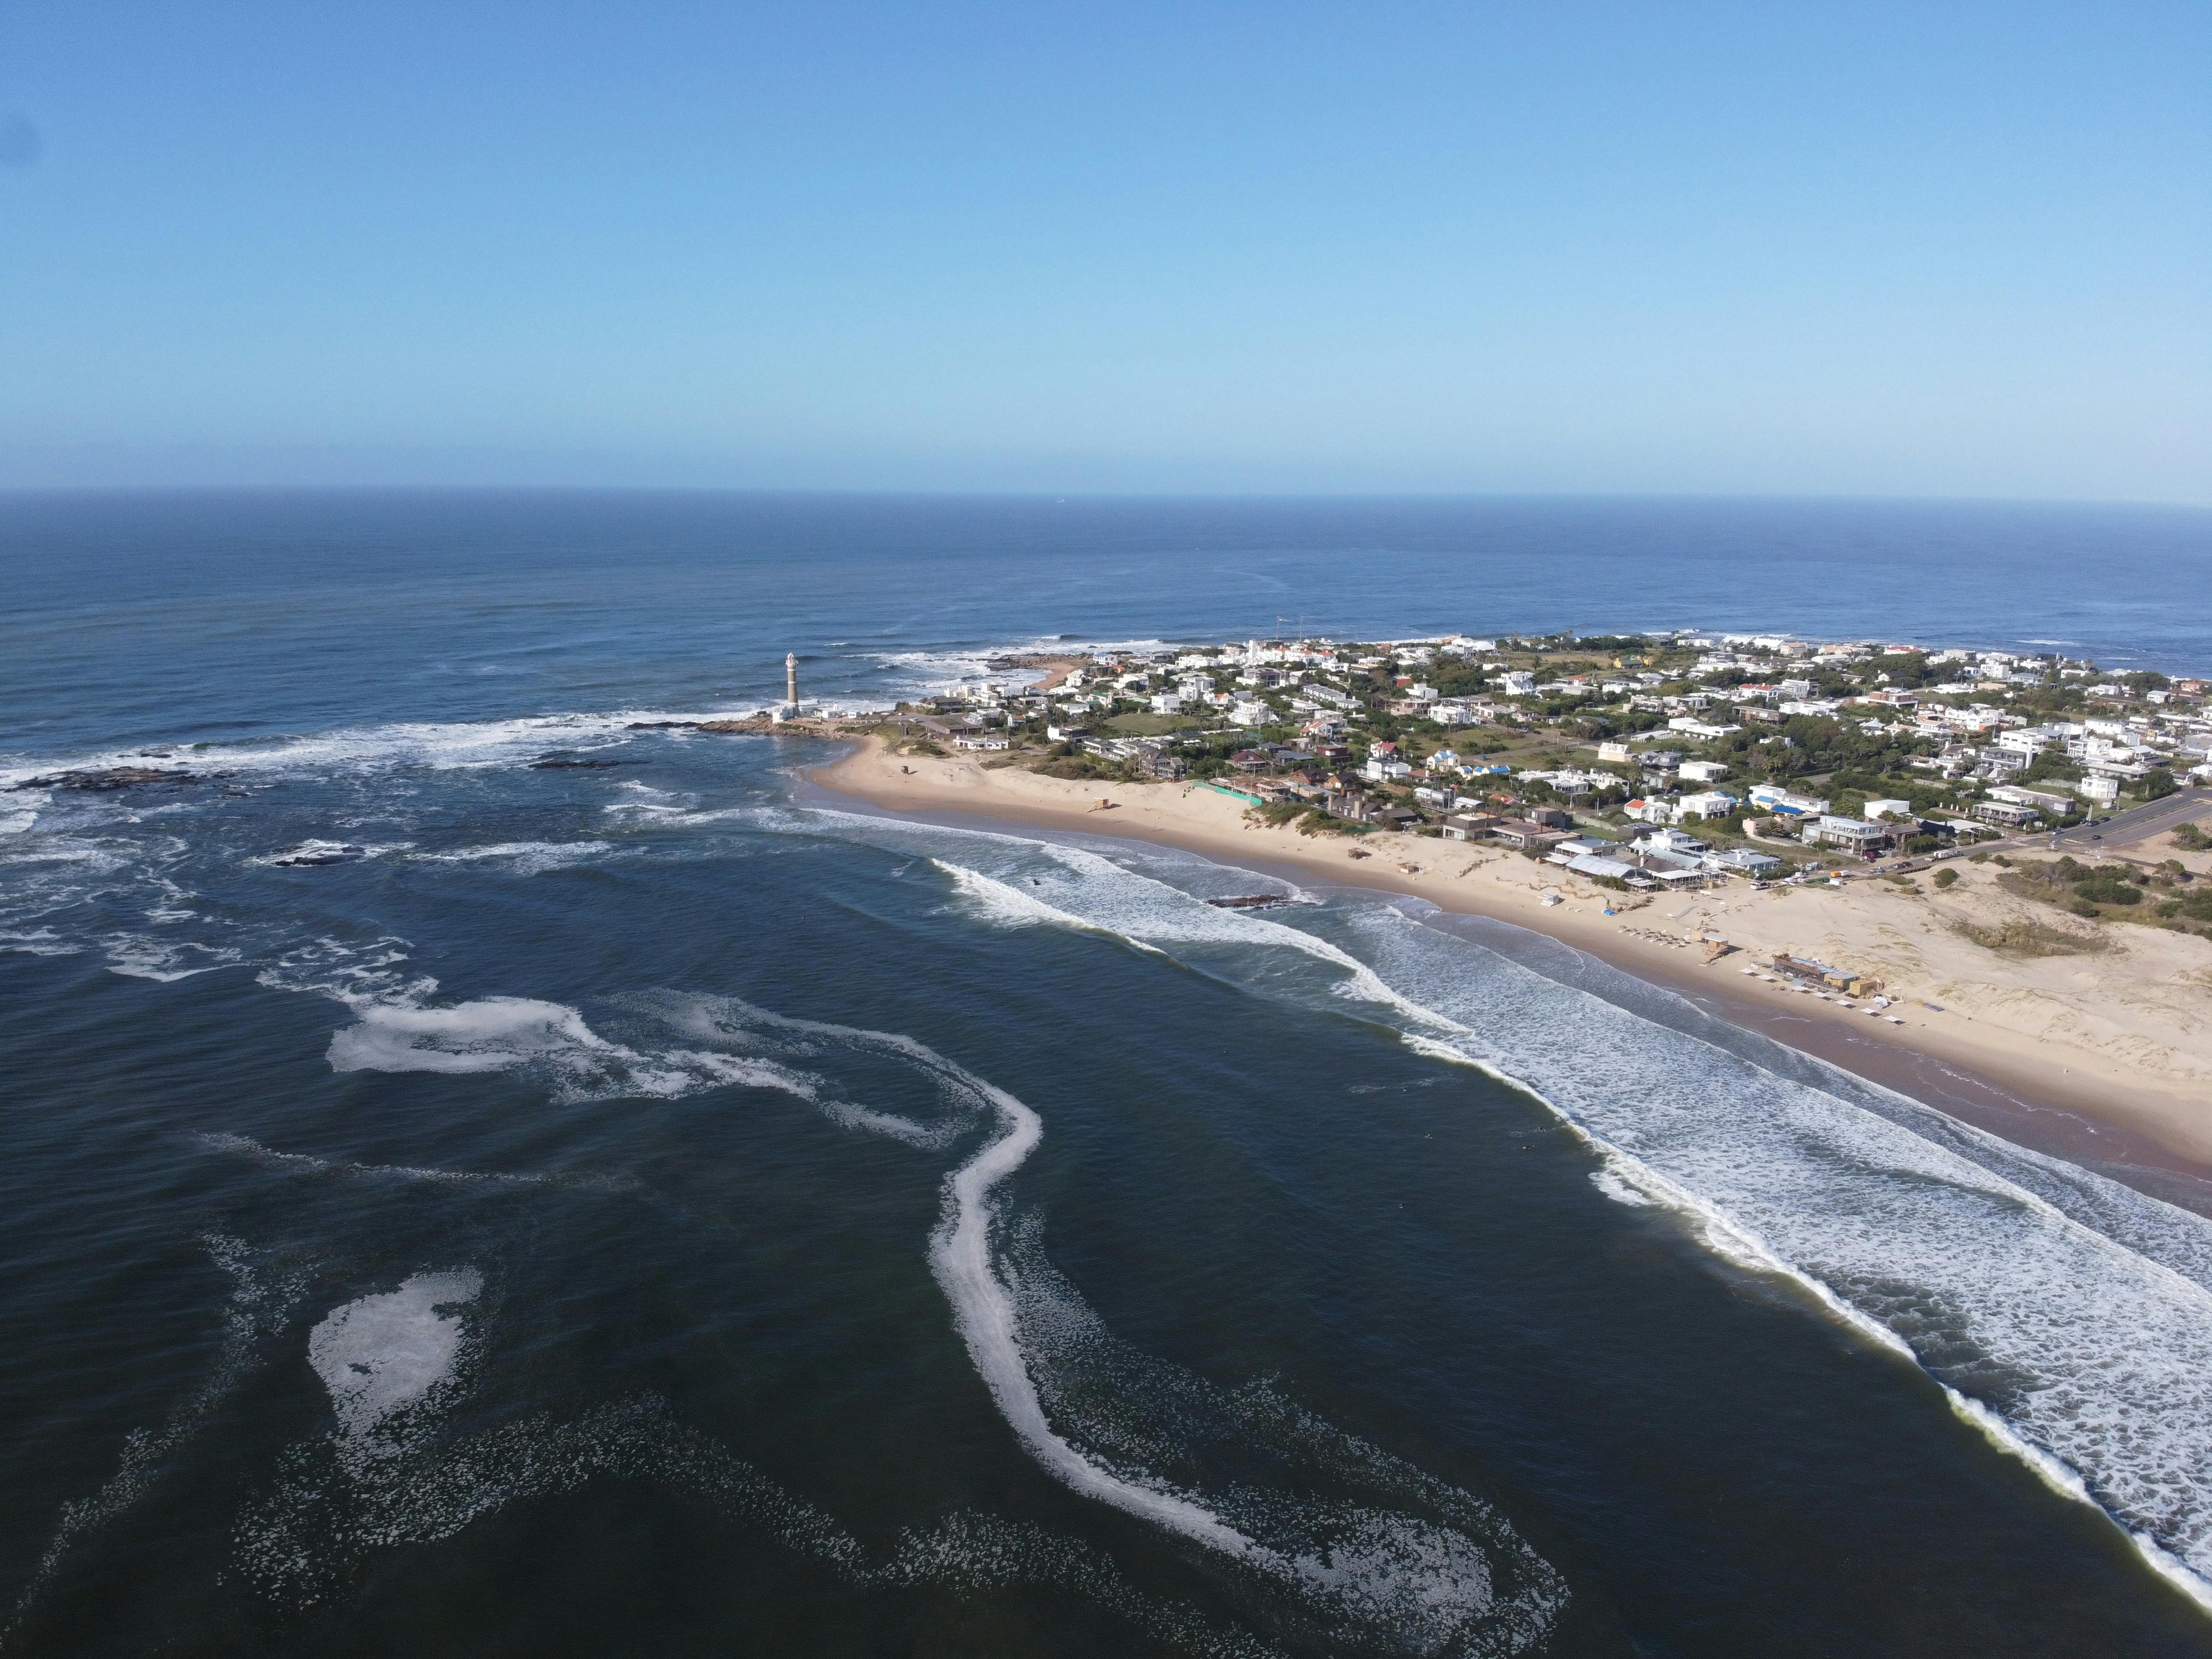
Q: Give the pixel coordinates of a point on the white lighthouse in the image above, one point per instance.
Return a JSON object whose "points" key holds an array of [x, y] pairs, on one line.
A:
{"points": [[790, 681]]}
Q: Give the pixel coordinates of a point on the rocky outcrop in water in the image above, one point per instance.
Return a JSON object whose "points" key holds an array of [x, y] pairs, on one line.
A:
{"points": [[113, 777], [321, 852]]}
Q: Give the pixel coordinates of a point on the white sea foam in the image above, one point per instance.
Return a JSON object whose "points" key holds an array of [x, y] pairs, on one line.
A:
{"points": [[917, 671], [2073, 1307], [489, 1035], [302, 1542], [434, 745], [997, 901], [155, 959], [357, 973], [1995, 1267], [1375, 1549], [527, 858], [1367, 1568], [258, 1301], [306, 1164], [386, 1354], [38, 942], [549, 1040], [1614, 1188], [730, 1020]]}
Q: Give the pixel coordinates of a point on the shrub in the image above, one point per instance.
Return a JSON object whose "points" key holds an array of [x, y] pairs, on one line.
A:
{"points": [[2190, 838], [1946, 876], [2031, 938], [2104, 888]]}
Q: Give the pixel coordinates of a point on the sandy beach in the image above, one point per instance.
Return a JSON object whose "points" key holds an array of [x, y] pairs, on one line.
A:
{"points": [[2103, 1052]]}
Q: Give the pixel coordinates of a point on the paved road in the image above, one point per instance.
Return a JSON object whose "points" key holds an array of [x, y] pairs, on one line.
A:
{"points": [[2134, 824]]}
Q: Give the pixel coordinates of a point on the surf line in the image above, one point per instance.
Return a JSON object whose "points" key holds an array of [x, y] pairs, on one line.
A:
{"points": [[983, 1310], [960, 1258]]}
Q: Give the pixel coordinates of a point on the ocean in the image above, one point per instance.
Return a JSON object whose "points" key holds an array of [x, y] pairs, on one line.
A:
{"points": [[647, 1204]]}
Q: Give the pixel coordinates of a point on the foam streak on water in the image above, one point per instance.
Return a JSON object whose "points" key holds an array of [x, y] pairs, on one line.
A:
{"points": [[2073, 1314], [1372, 1572]]}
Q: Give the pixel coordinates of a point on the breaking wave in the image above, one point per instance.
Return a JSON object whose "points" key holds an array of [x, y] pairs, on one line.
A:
{"points": [[2068, 1315]]}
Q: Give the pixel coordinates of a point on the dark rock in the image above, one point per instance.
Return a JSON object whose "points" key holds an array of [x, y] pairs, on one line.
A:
{"points": [[321, 852], [569, 763], [113, 777]]}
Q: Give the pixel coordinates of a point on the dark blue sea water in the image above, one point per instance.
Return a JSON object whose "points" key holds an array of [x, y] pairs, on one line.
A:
{"points": [[652, 1207]]}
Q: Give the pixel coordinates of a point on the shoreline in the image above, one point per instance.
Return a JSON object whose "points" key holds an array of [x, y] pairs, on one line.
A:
{"points": [[2033, 1090]]}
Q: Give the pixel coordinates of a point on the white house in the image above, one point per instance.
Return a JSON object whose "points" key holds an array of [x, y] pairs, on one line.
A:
{"points": [[1698, 771], [1649, 811], [1675, 842], [1773, 798], [1879, 810], [1742, 860], [1708, 804]]}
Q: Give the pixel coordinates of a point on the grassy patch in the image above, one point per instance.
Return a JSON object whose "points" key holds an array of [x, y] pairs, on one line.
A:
{"points": [[1085, 765], [1150, 725], [2023, 937], [1318, 823]]}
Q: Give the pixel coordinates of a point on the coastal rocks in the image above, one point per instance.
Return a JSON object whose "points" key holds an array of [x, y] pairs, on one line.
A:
{"points": [[112, 778], [559, 763], [310, 853]]}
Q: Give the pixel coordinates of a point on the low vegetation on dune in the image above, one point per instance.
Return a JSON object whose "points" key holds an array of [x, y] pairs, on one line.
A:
{"points": [[2024, 937]]}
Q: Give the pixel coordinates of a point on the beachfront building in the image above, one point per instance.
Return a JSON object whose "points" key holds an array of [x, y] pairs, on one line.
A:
{"points": [[2004, 813], [1708, 804], [1852, 835], [1603, 868], [2043, 800], [1784, 802], [1744, 861]]}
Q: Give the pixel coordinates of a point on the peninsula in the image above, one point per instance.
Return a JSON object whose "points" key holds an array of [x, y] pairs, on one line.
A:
{"points": [[1917, 862]]}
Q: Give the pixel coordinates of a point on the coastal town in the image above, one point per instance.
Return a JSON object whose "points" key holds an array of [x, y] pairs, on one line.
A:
{"points": [[1640, 761], [1988, 864]]}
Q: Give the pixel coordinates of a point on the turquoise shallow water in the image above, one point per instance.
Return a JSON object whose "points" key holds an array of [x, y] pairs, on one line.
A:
{"points": [[642, 1206]]}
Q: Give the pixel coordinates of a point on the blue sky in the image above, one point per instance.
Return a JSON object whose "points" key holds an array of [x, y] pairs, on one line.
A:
{"points": [[1763, 248]]}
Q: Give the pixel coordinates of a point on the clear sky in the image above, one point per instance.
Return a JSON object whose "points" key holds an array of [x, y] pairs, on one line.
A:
{"points": [[1774, 247]]}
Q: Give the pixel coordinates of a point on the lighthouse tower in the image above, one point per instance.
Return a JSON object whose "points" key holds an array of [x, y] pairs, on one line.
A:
{"points": [[790, 681]]}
